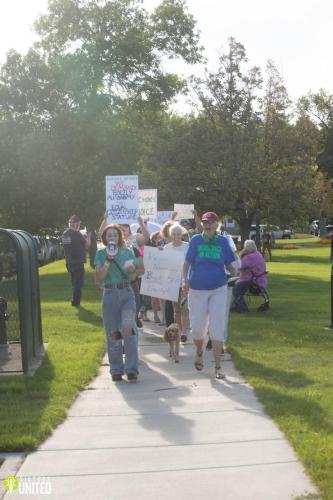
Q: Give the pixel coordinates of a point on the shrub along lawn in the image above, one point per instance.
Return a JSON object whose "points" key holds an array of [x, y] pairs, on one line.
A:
{"points": [[286, 354], [32, 406]]}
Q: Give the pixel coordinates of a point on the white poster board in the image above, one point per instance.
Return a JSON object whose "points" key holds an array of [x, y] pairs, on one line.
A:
{"points": [[183, 211], [162, 276], [122, 199], [163, 216], [148, 203]]}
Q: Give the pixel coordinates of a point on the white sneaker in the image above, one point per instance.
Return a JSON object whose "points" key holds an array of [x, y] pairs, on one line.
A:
{"points": [[218, 373]]}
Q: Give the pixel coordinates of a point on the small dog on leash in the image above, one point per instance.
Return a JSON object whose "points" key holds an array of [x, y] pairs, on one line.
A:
{"points": [[172, 335]]}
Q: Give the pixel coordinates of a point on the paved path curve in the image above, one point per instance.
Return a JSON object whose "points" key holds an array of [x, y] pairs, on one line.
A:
{"points": [[176, 434]]}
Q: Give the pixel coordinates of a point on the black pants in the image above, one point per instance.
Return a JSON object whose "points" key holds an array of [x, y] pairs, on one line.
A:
{"points": [[169, 314], [77, 276], [136, 289]]}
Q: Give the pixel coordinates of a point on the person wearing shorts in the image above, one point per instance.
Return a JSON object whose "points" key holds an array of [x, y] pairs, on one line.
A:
{"points": [[205, 279]]}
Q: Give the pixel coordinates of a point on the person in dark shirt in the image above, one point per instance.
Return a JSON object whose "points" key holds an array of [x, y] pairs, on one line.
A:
{"points": [[267, 244], [75, 255]]}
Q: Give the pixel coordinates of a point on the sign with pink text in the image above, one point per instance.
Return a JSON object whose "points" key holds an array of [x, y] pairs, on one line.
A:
{"points": [[122, 205]]}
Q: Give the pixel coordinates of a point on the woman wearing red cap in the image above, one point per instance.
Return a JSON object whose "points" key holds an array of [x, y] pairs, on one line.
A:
{"points": [[205, 279]]}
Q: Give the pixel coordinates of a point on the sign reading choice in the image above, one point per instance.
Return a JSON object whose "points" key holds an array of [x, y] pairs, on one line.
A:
{"points": [[162, 276], [148, 203], [121, 199]]}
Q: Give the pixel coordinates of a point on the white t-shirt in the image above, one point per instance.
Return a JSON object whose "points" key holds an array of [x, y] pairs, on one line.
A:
{"points": [[181, 248]]}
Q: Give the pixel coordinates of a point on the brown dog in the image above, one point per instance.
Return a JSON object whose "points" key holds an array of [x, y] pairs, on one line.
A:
{"points": [[172, 335]]}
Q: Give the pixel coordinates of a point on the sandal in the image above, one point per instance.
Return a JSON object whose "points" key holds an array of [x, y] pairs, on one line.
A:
{"points": [[198, 362], [218, 373]]}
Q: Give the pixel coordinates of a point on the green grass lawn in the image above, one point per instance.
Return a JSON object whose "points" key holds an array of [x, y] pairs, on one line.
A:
{"points": [[287, 355], [32, 406]]}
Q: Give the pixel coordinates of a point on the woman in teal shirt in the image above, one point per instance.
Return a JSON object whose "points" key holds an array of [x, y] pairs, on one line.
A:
{"points": [[115, 266]]}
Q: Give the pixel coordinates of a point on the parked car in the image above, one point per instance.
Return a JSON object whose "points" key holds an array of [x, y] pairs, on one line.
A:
{"points": [[42, 250], [58, 248], [49, 249], [275, 231], [50, 252], [280, 234], [253, 231]]}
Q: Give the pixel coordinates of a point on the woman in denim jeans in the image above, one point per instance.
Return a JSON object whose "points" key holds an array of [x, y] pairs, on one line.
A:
{"points": [[115, 266]]}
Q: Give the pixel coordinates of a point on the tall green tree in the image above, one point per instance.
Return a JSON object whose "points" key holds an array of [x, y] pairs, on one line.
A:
{"points": [[242, 152], [70, 100], [116, 48]]}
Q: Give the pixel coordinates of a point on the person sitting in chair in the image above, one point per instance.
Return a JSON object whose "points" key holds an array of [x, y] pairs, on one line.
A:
{"points": [[252, 266]]}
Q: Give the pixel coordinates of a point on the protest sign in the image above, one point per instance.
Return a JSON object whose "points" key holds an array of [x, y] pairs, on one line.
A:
{"points": [[148, 203], [162, 276], [163, 216], [121, 199], [183, 211]]}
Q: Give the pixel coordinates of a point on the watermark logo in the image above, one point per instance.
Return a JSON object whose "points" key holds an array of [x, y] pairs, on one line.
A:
{"points": [[35, 485], [10, 483]]}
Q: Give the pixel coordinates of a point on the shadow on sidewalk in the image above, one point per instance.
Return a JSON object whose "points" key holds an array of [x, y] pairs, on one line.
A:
{"points": [[154, 401]]}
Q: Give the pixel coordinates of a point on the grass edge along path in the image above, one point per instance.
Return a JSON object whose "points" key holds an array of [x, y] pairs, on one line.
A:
{"points": [[286, 355], [31, 407]]}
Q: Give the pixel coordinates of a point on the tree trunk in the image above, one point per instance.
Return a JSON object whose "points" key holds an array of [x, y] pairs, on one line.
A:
{"points": [[244, 228], [322, 231], [258, 236]]}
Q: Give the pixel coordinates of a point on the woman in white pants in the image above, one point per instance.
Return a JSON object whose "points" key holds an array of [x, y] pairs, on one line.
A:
{"points": [[205, 279]]}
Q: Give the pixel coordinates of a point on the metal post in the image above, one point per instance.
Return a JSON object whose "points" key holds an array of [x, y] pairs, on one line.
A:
{"points": [[331, 258]]}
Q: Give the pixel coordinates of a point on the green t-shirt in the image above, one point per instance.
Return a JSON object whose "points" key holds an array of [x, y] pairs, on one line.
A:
{"points": [[114, 276]]}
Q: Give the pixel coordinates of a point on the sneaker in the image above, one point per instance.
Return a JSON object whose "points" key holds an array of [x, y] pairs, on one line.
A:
{"points": [[117, 377], [132, 377], [209, 345], [198, 361], [218, 373], [183, 338], [139, 323]]}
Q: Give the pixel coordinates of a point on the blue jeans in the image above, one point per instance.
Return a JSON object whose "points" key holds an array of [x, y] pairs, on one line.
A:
{"points": [[119, 311], [238, 292], [77, 277]]}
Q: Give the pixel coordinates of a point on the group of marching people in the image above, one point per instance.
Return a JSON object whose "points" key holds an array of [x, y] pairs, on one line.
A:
{"points": [[210, 258]]}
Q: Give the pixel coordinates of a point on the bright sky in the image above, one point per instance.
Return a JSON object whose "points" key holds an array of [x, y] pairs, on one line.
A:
{"points": [[296, 34]]}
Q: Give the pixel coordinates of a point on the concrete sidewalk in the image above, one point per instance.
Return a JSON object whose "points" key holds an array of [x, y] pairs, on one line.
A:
{"points": [[175, 434]]}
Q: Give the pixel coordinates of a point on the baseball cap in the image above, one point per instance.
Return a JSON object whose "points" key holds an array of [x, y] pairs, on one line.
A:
{"points": [[74, 218], [210, 217]]}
